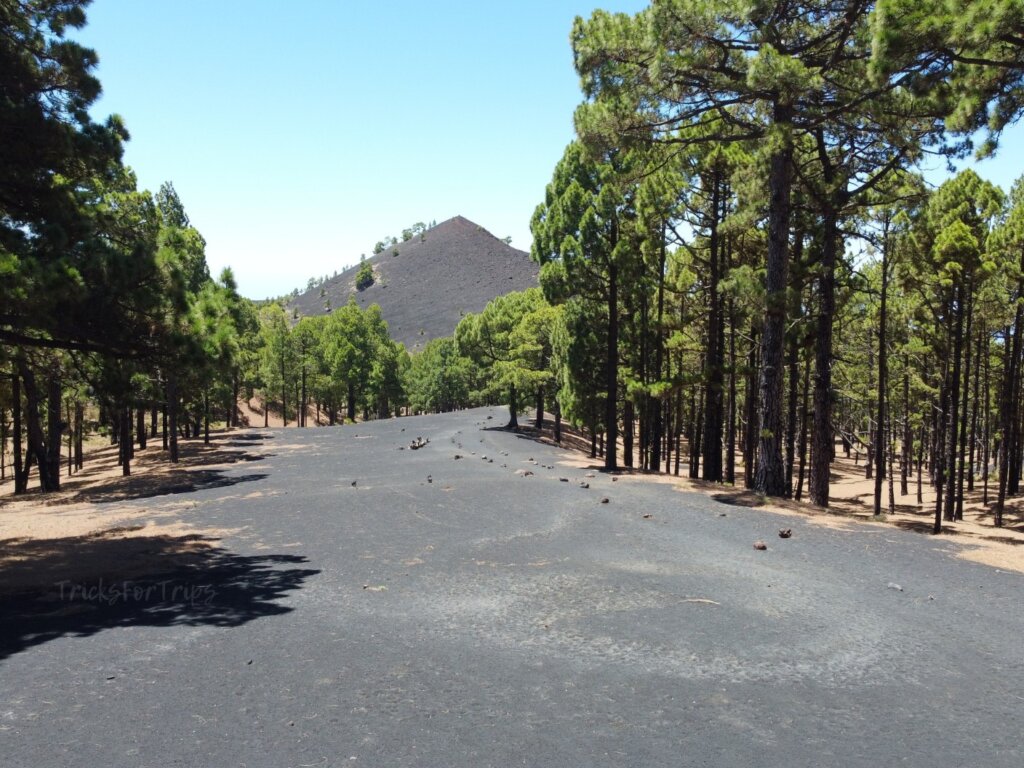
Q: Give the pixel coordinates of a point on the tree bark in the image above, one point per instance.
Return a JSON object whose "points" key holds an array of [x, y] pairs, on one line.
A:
{"points": [[513, 408], [821, 433], [20, 462], [612, 370], [712, 429], [140, 427], [539, 423], [172, 416], [883, 381], [770, 476]]}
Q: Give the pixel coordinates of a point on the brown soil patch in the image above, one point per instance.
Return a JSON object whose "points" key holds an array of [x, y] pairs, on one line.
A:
{"points": [[104, 525]]}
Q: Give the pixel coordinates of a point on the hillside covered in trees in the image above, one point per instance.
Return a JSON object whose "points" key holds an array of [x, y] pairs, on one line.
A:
{"points": [[741, 268]]}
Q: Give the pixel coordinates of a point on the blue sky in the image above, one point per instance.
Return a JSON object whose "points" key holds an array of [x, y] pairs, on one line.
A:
{"points": [[299, 134]]}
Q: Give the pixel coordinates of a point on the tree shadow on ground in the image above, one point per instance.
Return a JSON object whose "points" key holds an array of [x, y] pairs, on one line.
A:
{"points": [[924, 526], [148, 486], [246, 438], [79, 586]]}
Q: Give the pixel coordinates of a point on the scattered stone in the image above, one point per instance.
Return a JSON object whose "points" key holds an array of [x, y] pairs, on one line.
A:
{"points": [[604, 500], [615, 479], [248, 662], [458, 456], [590, 474], [489, 418], [523, 472], [562, 479], [760, 545], [893, 585], [430, 479], [584, 485], [785, 533], [721, 514], [353, 483], [648, 516]]}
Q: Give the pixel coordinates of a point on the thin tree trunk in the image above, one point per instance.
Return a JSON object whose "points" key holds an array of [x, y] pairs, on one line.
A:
{"points": [[126, 440], [803, 430], [712, 422], [140, 427], [908, 436], [988, 435], [822, 444], [730, 443], [976, 402], [79, 434], [20, 468], [958, 514], [949, 504], [612, 369], [172, 416], [513, 408], [883, 381], [750, 415], [539, 423]]}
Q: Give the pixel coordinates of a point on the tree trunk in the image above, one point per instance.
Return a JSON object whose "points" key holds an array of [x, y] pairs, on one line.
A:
{"points": [[976, 401], [36, 438], [908, 437], [302, 396], [770, 476], [730, 442], [539, 423], [822, 443], [802, 451], [140, 427], [949, 505], [79, 435], [958, 513], [988, 436], [883, 381], [513, 408], [750, 414], [55, 428], [20, 462], [612, 370], [172, 416], [628, 421], [712, 427]]}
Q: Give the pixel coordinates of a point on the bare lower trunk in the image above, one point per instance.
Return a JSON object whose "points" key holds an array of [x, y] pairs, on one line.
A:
{"points": [[770, 475], [172, 417]]}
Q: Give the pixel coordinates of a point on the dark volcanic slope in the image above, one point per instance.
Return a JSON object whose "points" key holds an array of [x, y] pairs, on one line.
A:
{"points": [[452, 269]]}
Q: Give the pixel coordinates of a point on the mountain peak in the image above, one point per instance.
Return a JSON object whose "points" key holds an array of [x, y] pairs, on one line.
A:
{"points": [[426, 284]]}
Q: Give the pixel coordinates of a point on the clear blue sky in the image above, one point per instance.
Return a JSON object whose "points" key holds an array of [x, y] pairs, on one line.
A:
{"points": [[299, 134]]}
